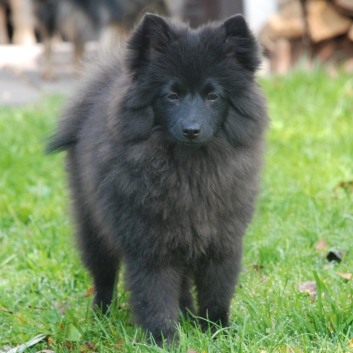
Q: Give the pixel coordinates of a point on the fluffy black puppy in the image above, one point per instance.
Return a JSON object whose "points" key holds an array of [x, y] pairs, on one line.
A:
{"points": [[164, 148]]}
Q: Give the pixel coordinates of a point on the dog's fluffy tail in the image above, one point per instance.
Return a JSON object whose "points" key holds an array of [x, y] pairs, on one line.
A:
{"points": [[57, 143], [67, 132]]}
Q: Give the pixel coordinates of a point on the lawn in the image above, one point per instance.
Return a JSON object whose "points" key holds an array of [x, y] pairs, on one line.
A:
{"points": [[307, 197]]}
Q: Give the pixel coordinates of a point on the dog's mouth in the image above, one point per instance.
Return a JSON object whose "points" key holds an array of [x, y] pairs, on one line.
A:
{"points": [[193, 144]]}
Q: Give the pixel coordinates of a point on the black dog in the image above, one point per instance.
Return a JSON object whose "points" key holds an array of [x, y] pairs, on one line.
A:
{"points": [[164, 147]]}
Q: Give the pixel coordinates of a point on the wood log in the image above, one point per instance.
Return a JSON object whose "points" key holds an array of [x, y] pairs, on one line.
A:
{"points": [[350, 33], [281, 57], [334, 50], [288, 23], [23, 22], [344, 6], [348, 66], [4, 37], [325, 50], [325, 21]]}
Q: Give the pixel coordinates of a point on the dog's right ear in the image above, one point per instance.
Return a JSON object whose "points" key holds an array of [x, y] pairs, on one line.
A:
{"points": [[241, 42], [153, 33]]}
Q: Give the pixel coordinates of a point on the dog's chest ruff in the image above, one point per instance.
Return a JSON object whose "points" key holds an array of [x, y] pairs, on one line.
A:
{"points": [[188, 198]]}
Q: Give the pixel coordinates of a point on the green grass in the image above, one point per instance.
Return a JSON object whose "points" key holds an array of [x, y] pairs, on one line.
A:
{"points": [[310, 151]]}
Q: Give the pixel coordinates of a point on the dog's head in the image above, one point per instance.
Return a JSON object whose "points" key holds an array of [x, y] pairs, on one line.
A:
{"points": [[190, 80]]}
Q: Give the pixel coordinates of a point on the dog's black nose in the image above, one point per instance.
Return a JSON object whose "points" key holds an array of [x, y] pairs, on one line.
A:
{"points": [[191, 131]]}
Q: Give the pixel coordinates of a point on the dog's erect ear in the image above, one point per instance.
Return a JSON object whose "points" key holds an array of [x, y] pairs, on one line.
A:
{"points": [[152, 34], [241, 42], [236, 26]]}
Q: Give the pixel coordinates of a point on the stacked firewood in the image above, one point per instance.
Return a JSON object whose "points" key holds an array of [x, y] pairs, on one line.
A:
{"points": [[320, 29]]}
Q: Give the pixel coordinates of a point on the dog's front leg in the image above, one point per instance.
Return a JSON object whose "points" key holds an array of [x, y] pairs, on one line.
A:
{"points": [[215, 281], [155, 298]]}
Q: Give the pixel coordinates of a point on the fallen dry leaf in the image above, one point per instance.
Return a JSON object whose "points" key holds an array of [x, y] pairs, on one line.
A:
{"points": [[62, 307], [321, 245], [69, 345], [20, 318], [36, 307], [256, 268], [346, 185], [6, 310], [46, 351], [88, 293], [345, 275], [87, 347], [50, 341], [119, 347], [308, 287]]}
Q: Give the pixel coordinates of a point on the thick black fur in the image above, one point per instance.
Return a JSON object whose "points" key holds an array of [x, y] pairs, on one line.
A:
{"points": [[164, 148]]}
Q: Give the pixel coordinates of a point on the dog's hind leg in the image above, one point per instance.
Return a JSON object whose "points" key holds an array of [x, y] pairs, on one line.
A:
{"points": [[102, 264]]}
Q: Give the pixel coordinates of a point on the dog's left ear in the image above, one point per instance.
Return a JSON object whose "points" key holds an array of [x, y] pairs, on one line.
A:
{"points": [[241, 42], [153, 33]]}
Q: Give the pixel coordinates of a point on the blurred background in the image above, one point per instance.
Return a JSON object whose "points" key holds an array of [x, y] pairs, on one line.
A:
{"points": [[43, 43]]}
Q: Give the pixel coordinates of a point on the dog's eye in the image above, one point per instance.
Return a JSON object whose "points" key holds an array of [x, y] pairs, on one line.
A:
{"points": [[172, 97], [212, 97]]}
